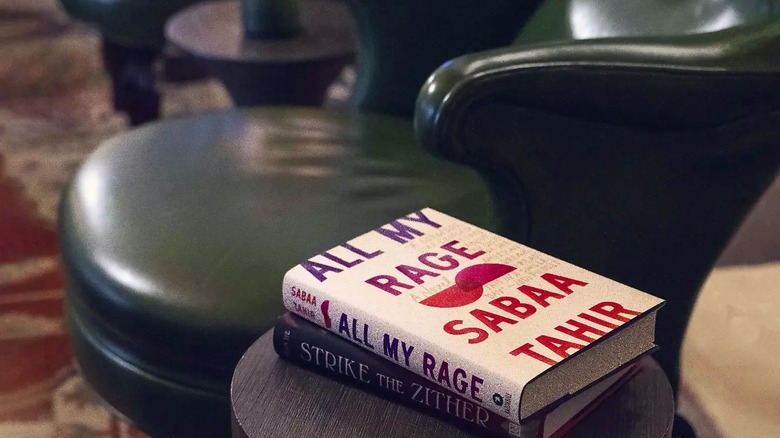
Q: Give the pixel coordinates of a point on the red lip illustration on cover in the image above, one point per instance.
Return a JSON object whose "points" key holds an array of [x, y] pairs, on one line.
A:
{"points": [[468, 285]]}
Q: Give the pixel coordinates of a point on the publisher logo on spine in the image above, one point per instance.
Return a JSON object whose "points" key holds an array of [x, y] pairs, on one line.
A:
{"points": [[468, 285], [503, 401]]}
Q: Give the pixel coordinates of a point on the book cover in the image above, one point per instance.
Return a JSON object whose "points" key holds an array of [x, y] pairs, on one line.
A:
{"points": [[501, 324]]}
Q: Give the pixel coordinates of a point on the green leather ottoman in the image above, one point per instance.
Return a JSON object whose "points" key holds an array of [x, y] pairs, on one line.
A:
{"points": [[175, 250]]}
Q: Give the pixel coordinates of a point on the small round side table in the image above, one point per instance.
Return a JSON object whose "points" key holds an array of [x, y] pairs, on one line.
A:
{"points": [[293, 69], [272, 397]]}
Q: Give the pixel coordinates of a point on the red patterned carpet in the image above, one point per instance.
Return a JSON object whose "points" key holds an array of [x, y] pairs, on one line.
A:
{"points": [[54, 109]]}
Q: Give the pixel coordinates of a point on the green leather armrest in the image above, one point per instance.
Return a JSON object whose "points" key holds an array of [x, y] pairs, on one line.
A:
{"points": [[537, 76]]}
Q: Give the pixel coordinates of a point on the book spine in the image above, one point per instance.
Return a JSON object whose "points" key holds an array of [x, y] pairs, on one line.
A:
{"points": [[305, 343], [403, 346]]}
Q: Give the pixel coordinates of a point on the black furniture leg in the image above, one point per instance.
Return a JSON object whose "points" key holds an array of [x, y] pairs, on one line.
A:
{"points": [[682, 429], [133, 80]]}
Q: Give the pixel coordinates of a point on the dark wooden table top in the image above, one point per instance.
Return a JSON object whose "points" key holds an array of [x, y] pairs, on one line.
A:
{"points": [[272, 397], [213, 30]]}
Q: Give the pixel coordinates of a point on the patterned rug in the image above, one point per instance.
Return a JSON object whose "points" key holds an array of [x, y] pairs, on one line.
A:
{"points": [[54, 110]]}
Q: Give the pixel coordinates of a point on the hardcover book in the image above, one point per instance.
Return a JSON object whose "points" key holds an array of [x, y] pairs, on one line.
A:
{"points": [[507, 327], [313, 347]]}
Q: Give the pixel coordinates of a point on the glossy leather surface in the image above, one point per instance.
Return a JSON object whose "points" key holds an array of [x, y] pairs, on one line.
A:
{"points": [[271, 18], [587, 19], [636, 158], [402, 41], [177, 235], [638, 68], [164, 408], [131, 23]]}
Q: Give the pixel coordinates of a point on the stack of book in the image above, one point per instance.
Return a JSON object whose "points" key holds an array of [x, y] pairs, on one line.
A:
{"points": [[464, 324]]}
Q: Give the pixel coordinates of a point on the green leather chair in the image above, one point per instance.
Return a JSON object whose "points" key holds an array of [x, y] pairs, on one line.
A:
{"points": [[567, 20], [634, 157], [643, 169], [175, 236]]}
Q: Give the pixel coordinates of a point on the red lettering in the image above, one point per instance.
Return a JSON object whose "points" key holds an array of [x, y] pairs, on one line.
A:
{"points": [[513, 306], [451, 328], [304, 296], [599, 321], [614, 311], [491, 320], [539, 295], [527, 349], [580, 331], [562, 283], [559, 346]]}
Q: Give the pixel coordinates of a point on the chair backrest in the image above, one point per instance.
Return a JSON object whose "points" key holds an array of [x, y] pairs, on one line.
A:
{"points": [[636, 158], [402, 41]]}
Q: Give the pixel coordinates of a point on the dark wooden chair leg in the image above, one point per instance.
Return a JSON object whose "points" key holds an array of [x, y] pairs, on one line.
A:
{"points": [[133, 79]]}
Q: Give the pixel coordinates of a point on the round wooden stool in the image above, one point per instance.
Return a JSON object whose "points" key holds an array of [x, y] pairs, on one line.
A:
{"points": [[272, 397]]}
